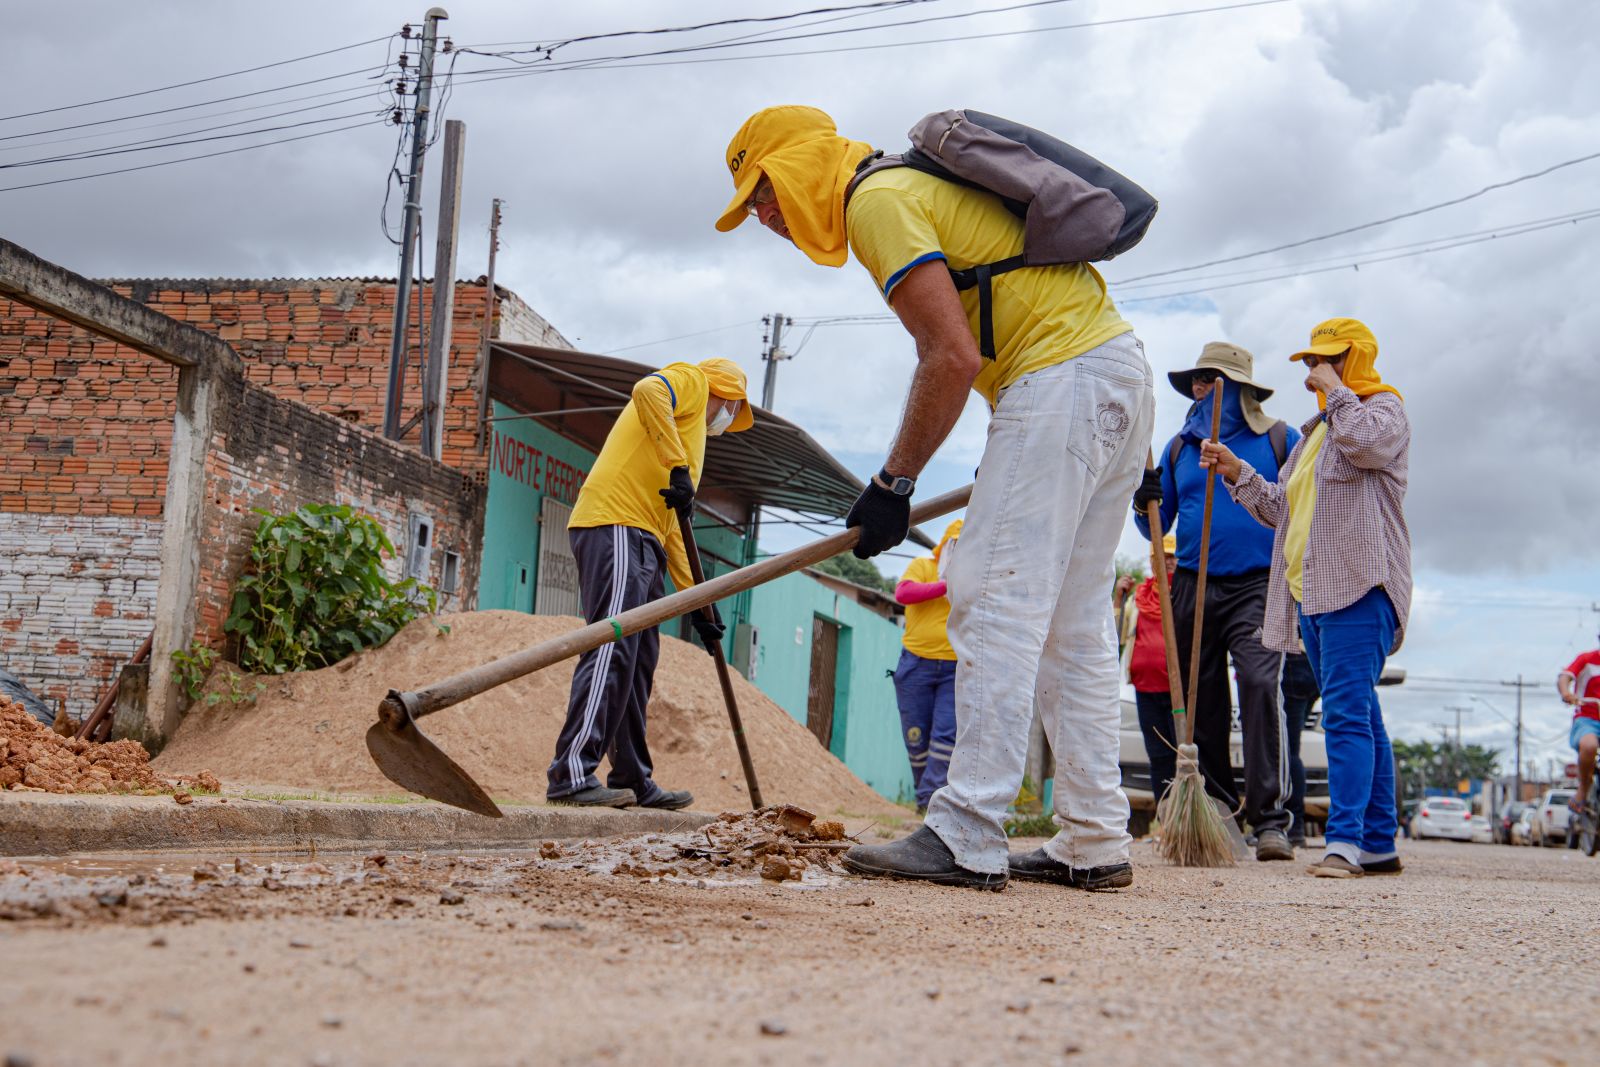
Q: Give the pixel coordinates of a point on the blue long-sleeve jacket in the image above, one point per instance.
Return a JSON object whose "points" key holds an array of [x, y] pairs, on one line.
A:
{"points": [[1239, 544]]}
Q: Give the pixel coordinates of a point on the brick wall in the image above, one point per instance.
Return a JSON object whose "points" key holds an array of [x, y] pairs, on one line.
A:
{"points": [[86, 428], [276, 454], [76, 596]]}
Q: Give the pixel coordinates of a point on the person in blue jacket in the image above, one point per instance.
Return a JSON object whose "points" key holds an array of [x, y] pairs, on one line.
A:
{"points": [[1236, 589]]}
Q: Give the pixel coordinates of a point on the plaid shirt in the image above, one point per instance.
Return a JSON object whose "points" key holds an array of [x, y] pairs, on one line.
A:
{"points": [[1358, 533]]}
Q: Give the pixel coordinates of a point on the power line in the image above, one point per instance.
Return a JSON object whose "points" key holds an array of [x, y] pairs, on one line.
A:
{"points": [[615, 62], [680, 337], [706, 25], [164, 143], [196, 81], [186, 159], [203, 103], [343, 99], [1344, 258], [1355, 264], [736, 43], [1376, 222]]}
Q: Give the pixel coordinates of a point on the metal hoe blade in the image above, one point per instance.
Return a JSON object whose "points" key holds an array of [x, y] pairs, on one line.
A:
{"points": [[408, 759]]}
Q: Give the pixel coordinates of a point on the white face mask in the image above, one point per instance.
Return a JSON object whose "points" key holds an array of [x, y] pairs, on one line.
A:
{"points": [[722, 419]]}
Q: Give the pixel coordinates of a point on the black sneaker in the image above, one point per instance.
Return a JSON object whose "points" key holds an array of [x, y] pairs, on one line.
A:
{"points": [[596, 797], [669, 799], [1273, 845], [1037, 866], [922, 857]]}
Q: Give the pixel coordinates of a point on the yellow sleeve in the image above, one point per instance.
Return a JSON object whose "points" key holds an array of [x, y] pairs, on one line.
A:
{"points": [[891, 231], [652, 400], [678, 558]]}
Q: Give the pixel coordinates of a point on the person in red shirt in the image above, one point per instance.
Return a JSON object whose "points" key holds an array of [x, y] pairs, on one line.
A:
{"points": [[1579, 685], [1144, 657]]}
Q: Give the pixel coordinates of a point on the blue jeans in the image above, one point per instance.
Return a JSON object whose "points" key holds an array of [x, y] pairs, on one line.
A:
{"points": [[925, 689], [1346, 649], [1160, 738]]}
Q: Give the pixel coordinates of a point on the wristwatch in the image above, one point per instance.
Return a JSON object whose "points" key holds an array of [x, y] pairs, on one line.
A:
{"points": [[897, 484]]}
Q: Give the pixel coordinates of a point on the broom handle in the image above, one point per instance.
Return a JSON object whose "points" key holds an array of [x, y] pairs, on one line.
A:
{"points": [[1200, 582], [1169, 635]]}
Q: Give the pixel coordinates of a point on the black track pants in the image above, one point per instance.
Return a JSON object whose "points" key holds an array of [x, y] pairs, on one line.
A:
{"points": [[1235, 607], [619, 567]]}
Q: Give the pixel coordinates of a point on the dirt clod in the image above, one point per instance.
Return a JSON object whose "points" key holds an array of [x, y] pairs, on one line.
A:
{"points": [[33, 757], [183, 798], [451, 896], [773, 1028]]}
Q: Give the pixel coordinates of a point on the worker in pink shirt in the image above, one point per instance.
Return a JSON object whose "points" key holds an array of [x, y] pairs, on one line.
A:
{"points": [[925, 680]]}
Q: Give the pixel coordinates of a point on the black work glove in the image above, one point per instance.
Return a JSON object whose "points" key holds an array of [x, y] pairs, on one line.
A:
{"points": [[884, 518], [679, 493], [708, 624], [1149, 489]]}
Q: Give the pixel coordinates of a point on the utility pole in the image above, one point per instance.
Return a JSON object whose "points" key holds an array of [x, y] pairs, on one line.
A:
{"points": [[1521, 685], [436, 376], [1458, 709], [773, 353], [411, 222], [488, 329]]}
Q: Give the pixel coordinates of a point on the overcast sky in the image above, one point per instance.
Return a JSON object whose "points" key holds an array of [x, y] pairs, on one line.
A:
{"points": [[1256, 127]]}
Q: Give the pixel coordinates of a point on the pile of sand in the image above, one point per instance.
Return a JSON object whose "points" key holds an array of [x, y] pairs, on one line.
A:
{"points": [[33, 756], [306, 731]]}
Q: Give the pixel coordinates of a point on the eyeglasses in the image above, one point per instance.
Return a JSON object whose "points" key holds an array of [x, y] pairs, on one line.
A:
{"points": [[764, 194], [1205, 377]]}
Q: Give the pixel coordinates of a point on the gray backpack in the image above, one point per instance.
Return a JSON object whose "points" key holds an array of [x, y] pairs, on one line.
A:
{"points": [[1074, 208]]}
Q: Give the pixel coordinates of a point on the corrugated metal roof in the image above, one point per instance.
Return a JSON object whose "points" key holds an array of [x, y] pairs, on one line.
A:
{"points": [[773, 464]]}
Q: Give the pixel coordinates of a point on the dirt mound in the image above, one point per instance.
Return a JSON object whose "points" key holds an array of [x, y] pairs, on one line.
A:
{"points": [[33, 756], [306, 731]]}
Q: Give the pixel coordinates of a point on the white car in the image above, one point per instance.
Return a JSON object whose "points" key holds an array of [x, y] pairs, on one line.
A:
{"points": [[1443, 817], [1135, 765], [1522, 829], [1549, 826]]}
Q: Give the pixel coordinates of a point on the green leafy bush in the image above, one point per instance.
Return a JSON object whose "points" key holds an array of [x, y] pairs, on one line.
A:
{"points": [[315, 591]]}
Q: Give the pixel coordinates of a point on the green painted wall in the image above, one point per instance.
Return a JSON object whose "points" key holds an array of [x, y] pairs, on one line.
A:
{"points": [[866, 720], [526, 460]]}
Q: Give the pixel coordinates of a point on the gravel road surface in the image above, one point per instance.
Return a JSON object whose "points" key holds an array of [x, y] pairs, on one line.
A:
{"points": [[1476, 954]]}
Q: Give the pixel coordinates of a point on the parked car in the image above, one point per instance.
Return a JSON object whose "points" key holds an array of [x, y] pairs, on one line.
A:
{"points": [[1482, 830], [1443, 817], [1550, 817], [1522, 829], [1505, 819], [1135, 765]]}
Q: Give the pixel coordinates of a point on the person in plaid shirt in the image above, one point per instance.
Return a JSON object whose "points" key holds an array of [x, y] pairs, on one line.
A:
{"points": [[1341, 576]]}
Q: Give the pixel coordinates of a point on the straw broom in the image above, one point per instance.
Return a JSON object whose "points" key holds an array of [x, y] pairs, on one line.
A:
{"points": [[1192, 832]]}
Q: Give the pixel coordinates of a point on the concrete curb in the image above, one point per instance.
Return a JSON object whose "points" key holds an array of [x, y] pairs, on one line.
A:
{"points": [[42, 824]]}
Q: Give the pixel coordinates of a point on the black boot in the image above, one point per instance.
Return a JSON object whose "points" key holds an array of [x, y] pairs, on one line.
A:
{"points": [[669, 799], [922, 857], [596, 797], [1037, 866]]}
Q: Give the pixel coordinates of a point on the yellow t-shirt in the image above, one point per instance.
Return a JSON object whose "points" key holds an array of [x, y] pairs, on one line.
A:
{"points": [[662, 427], [900, 218], [1302, 495], [925, 634]]}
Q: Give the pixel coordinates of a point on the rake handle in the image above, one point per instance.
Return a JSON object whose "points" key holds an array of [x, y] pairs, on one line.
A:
{"points": [[399, 707], [697, 570], [1200, 580]]}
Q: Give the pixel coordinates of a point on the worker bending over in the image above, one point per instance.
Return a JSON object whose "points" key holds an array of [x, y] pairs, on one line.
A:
{"points": [[1030, 588], [625, 537]]}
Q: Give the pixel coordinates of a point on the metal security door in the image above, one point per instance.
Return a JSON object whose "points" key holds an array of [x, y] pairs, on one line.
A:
{"points": [[824, 666], [557, 590]]}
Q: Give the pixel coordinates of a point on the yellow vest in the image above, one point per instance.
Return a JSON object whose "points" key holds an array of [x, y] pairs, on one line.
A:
{"points": [[925, 634], [662, 427], [1302, 496]]}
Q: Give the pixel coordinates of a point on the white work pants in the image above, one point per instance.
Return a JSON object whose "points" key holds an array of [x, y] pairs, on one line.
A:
{"points": [[1030, 607]]}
